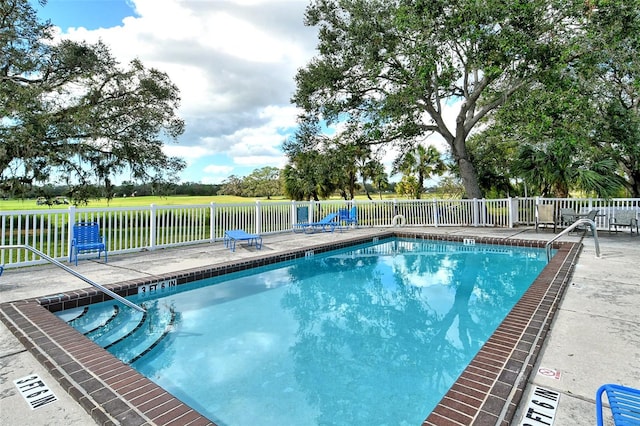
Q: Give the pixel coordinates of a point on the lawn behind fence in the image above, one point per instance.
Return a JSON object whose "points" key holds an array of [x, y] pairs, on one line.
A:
{"points": [[173, 200]]}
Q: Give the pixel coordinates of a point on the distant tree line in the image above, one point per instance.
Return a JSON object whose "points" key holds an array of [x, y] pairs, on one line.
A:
{"points": [[265, 182], [346, 167], [271, 182], [126, 189]]}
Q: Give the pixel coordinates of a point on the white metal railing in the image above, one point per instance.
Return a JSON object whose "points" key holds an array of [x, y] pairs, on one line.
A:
{"points": [[75, 274], [151, 227]]}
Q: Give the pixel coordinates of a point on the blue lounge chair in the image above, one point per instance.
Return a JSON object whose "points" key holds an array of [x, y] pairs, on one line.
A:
{"points": [[86, 237], [327, 223], [231, 237], [624, 403]]}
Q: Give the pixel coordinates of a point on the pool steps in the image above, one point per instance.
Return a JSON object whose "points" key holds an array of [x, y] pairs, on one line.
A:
{"points": [[118, 327], [124, 332]]}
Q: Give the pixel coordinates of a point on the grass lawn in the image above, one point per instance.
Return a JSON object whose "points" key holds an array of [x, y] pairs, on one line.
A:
{"points": [[30, 204], [174, 200]]}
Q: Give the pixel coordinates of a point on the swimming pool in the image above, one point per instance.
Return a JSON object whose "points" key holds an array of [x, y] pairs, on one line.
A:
{"points": [[488, 390], [371, 334]]}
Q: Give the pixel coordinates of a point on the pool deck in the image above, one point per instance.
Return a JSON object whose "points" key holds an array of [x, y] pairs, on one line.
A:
{"points": [[594, 338]]}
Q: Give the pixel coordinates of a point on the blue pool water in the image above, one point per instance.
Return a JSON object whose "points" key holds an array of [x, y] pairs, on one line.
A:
{"points": [[373, 334]]}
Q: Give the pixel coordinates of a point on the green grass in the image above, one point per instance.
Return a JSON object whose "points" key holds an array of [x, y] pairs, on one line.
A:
{"points": [[174, 200], [30, 204]]}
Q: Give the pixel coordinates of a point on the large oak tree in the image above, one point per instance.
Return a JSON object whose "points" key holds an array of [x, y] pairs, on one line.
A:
{"points": [[70, 113], [398, 67]]}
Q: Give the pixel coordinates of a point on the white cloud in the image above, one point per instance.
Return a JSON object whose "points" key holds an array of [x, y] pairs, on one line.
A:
{"points": [[190, 154], [218, 170], [234, 62], [258, 162]]}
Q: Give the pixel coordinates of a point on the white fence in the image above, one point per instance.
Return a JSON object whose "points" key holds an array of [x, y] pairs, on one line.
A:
{"points": [[151, 227]]}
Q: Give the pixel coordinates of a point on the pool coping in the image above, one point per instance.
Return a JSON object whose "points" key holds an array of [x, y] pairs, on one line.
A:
{"points": [[487, 392]]}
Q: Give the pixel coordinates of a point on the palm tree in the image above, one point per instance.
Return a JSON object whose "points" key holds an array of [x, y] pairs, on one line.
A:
{"points": [[557, 167], [374, 170], [421, 161]]}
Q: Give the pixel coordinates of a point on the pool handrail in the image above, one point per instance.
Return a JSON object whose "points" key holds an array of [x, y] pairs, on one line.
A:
{"points": [[75, 274], [578, 222]]}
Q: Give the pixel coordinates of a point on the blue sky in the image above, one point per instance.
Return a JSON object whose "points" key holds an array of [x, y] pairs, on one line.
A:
{"points": [[91, 14], [233, 60]]}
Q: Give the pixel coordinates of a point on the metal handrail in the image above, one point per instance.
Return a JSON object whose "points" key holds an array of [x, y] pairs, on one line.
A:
{"points": [[75, 274], [578, 222]]}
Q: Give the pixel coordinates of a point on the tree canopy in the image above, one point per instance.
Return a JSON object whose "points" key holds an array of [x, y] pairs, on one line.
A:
{"points": [[262, 182], [402, 71], [422, 161], [320, 165], [398, 67], [613, 54], [71, 114], [576, 128]]}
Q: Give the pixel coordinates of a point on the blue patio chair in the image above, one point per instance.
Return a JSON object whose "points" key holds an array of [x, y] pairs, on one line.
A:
{"points": [[231, 237], [327, 223], [348, 217], [302, 219], [1, 269], [302, 214], [86, 237], [624, 403]]}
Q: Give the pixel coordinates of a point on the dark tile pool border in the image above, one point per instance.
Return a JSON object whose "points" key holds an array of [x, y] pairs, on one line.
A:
{"points": [[486, 393]]}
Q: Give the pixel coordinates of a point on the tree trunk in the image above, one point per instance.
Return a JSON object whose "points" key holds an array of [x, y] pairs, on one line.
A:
{"points": [[634, 184], [364, 185], [469, 178], [466, 168]]}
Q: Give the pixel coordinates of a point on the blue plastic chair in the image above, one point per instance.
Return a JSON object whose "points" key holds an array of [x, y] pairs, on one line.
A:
{"points": [[1, 269], [86, 237], [348, 216], [624, 403]]}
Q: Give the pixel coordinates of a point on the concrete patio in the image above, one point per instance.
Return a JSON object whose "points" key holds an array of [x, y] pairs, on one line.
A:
{"points": [[594, 338]]}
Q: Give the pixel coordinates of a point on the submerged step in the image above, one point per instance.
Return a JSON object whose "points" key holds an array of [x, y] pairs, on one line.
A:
{"points": [[157, 323], [89, 318], [125, 332], [120, 326], [69, 315]]}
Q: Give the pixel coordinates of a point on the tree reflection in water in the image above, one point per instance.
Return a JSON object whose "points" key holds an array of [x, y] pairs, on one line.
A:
{"points": [[396, 328], [374, 334]]}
